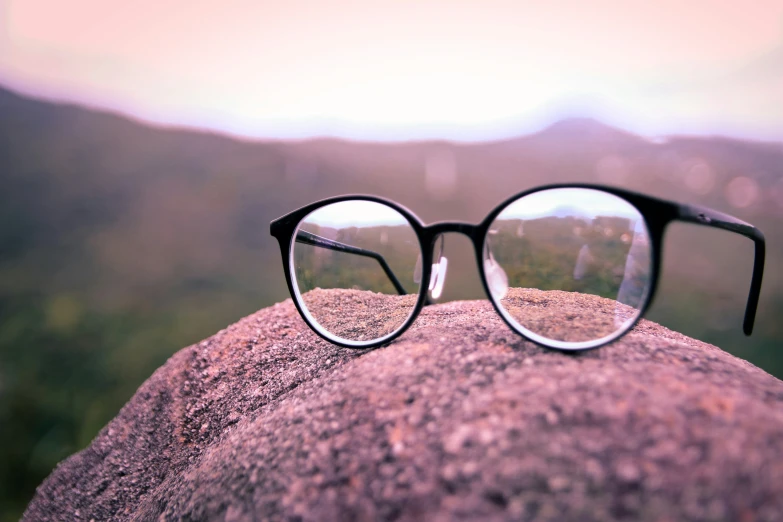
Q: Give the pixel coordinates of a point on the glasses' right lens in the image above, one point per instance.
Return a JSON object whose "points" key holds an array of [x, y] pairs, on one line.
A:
{"points": [[569, 267], [354, 268]]}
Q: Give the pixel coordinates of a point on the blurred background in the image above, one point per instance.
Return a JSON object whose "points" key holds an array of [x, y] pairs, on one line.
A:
{"points": [[145, 146]]}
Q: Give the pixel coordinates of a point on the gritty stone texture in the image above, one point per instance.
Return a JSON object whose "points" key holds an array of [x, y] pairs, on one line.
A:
{"points": [[459, 418], [362, 315], [567, 316], [358, 315]]}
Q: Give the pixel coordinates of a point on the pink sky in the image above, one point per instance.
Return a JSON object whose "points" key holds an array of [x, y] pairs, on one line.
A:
{"points": [[406, 69]]}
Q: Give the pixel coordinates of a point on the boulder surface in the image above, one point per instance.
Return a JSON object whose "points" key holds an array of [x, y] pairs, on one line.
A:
{"points": [[460, 418]]}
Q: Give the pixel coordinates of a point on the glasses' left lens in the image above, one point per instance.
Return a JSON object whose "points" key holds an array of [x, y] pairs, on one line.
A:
{"points": [[569, 267], [354, 265]]}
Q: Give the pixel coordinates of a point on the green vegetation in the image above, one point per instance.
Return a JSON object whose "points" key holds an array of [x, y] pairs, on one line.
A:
{"points": [[570, 254], [120, 244]]}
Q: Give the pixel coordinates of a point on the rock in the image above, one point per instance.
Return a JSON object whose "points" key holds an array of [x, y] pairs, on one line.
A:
{"points": [[460, 418]]}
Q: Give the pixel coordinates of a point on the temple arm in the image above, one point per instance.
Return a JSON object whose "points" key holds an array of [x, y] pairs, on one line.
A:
{"points": [[311, 239], [713, 218]]}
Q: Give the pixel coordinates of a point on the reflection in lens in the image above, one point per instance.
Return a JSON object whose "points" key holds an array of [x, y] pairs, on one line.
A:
{"points": [[569, 267], [354, 265]]}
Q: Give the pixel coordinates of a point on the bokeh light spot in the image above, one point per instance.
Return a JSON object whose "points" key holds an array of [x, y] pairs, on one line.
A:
{"points": [[699, 177], [440, 173], [742, 192], [777, 192]]}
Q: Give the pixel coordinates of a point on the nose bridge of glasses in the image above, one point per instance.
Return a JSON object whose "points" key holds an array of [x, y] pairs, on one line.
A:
{"points": [[440, 263], [444, 227]]}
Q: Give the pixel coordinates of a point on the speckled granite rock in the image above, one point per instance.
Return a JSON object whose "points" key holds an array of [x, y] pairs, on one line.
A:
{"points": [[458, 419]]}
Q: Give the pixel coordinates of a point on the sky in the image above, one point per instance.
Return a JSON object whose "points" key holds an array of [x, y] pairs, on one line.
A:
{"points": [[356, 213], [576, 202], [465, 70], [581, 202]]}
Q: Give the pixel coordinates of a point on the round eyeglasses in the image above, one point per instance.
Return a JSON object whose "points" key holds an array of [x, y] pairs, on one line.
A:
{"points": [[570, 267]]}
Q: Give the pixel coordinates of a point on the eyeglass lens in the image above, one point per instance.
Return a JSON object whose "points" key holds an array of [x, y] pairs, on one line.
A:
{"points": [[569, 265], [566, 267], [354, 266]]}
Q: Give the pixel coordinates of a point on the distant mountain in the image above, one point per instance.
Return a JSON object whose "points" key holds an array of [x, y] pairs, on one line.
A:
{"points": [[584, 129], [71, 175], [137, 205], [121, 242], [567, 211]]}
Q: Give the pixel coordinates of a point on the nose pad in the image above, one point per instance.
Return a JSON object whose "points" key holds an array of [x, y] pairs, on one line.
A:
{"points": [[438, 277], [497, 280], [438, 274]]}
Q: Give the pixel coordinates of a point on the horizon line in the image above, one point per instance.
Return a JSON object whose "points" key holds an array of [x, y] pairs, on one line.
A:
{"points": [[383, 134]]}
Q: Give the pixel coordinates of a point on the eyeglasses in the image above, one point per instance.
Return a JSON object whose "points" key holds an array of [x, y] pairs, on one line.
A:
{"points": [[569, 267]]}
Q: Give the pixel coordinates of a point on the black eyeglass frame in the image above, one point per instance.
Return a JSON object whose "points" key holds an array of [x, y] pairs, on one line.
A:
{"points": [[657, 214]]}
